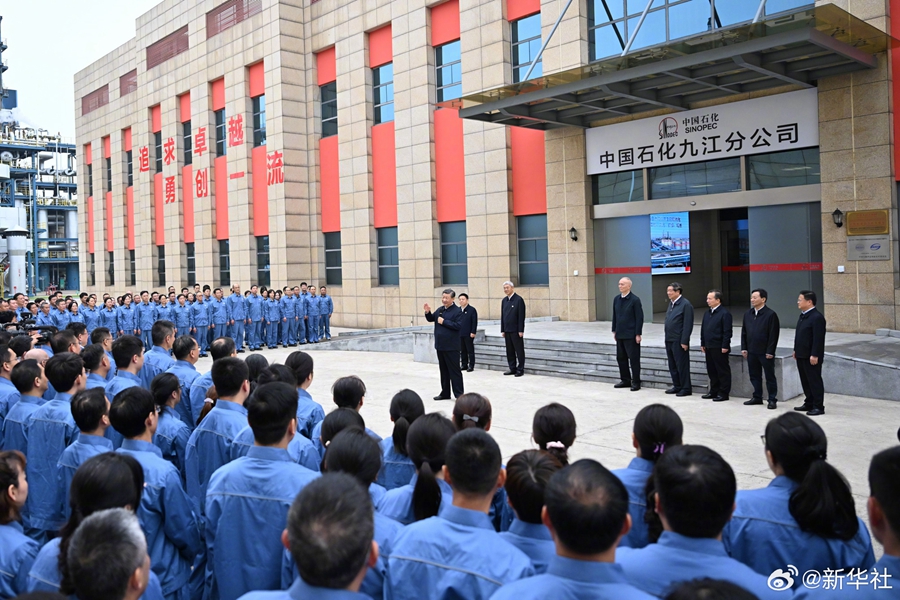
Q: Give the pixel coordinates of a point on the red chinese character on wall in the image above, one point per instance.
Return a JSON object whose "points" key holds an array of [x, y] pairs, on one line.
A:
{"points": [[274, 168], [201, 184], [170, 190], [236, 130], [200, 141], [144, 159], [169, 151]]}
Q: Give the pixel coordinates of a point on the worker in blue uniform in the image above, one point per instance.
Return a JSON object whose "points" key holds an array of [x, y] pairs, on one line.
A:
{"points": [[61, 316], [326, 308], [127, 318], [9, 395], [186, 354], [109, 318], [200, 314], [17, 551], [309, 412], [159, 358], [44, 317], [219, 315], [165, 311], [301, 310], [289, 318], [145, 314], [128, 352], [347, 392], [91, 314], [255, 316], [183, 316], [96, 365], [172, 434], [313, 311], [29, 379], [273, 319], [238, 311], [397, 469], [221, 348], [103, 336]]}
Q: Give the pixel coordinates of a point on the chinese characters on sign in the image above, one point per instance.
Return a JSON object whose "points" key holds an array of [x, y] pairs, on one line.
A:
{"points": [[201, 183], [144, 159], [169, 151], [274, 168], [170, 190], [236, 130], [200, 141]]}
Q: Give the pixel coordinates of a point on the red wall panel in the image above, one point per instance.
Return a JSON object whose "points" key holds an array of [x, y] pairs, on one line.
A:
{"points": [[445, 23], [184, 103], [260, 192], [187, 191], [126, 139], [220, 174], [516, 9], [159, 220], [326, 66], [449, 166], [107, 150], [88, 154], [257, 76], [218, 93], [330, 184], [529, 172], [381, 47], [155, 119], [384, 175]]}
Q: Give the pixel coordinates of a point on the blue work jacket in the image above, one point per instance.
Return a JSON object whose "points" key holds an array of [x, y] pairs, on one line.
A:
{"points": [[209, 447], [85, 447], [237, 306], [396, 504], [184, 318], [219, 312], [300, 590], [171, 438], [186, 373], [396, 469], [534, 540], [299, 449], [199, 387], [200, 313], [145, 315], [91, 318], [570, 579], [309, 414], [127, 319], [17, 554], [157, 360], [634, 478], [255, 307], [51, 429]]}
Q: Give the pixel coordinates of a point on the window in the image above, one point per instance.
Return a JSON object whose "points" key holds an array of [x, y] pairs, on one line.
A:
{"points": [[695, 179], [329, 109], [110, 270], [448, 64], [263, 276], [128, 83], [259, 121], [224, 263], [186, 136], [94, 100], [129, 165], [454, 266], [158, 158], [90, 178], [56, 224], [108, 174], [191, 264], [333, 258], [783, 169], [383, 93], [624, 186], [526, 43], [93, 270], [221, 133], [533, 254], [229, 14], [133, 265], [161, 264], [168, 47], [388, 256]]}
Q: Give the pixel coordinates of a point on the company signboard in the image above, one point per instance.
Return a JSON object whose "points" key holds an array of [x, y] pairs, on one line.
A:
{"points": [[869, 247]]}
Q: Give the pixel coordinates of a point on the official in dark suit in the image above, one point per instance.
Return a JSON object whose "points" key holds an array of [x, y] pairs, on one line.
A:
{"points": [[679, 325], [627, 326], [809, 351], [759, 339], [512, 328], [715, 343], [446, 342], [467, 328]]}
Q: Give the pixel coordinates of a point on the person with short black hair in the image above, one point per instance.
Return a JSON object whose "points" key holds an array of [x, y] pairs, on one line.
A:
{"points": [[220, 348], [31, 383], [330, 533], [447, 321], [694, 492], [247, 500], [397, 469], [64, 340], [104, 337], [171, 434], [809, 352], [710, 589], [21, 344], [468, 327], [145, 315], [80, 331], [17, 551], [96, 363], [159, 358], [90, 410], [715, 343], [481, 561], [309, 412], [172, 531], [8, 391], [678, 327], [759, 340], [186, 353], [346, 392]]}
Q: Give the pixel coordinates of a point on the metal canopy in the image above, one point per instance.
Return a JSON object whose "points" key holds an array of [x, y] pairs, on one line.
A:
{"points": [[795, 50]]}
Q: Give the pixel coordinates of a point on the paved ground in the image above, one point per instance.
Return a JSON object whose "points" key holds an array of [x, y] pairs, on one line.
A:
{"points": [[856, 427]]}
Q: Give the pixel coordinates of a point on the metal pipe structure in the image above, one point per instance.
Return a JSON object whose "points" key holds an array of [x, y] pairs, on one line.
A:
{"points": [[546, 42], [638, 28]]}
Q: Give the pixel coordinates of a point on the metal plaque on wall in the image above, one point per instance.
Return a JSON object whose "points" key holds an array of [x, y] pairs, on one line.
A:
{"points": [[869, 247]]}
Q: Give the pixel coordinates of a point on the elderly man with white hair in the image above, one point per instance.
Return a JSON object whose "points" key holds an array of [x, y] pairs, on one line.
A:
{"points": [[512, 328], [627, 326]]}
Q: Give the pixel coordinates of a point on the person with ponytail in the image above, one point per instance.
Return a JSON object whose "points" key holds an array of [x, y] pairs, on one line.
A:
{"points": [[17, 551], [553, 430], [336, 422], [656, 429], [109, 480], [172, 434], [397, 469], [806, 517], [427, 493]]}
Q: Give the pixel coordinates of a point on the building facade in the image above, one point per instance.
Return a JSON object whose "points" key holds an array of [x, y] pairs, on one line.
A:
{"points": [[391, 149]]}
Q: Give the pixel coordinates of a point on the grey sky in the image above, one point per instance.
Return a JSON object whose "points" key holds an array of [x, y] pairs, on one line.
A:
{"points": [[49, 41]]}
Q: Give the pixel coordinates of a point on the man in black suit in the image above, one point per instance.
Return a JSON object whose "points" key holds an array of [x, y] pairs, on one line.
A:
{"points": [[446, 342], [467, 328], [627, 325], [679, 325], [809, 351], [715, 343], [759, 338], [512, 328]]}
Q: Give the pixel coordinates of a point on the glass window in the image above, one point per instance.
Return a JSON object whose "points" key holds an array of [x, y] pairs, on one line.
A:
{"points": [[695, 179], [625, 186], [333, 274], [454, 264], [108, 174], [692, 17], [191, 263], [110, 270], [221, 133], [129, 166], [534, 266], [262, 260], [93, 270], [388, 256], [224, 263], [132, 262], [90, 178], [526, 44], [188, 146], [784, 169], [161, 264], [329, 109], [259, 121], [448, 63], [383, 93], [157, 146]]}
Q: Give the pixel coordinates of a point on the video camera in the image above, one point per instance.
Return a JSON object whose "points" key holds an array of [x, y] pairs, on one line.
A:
{"points": [[27, 326]]}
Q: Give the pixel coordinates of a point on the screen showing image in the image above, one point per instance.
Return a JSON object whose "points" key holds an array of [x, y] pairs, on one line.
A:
{"points": [[670, 243]]}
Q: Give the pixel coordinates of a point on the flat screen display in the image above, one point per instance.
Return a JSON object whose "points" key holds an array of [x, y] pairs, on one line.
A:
{"points": [[670, 243]]}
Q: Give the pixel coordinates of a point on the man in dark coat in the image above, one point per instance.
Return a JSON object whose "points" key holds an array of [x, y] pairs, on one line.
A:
{"points": [[679, 325], [467, 328], [627, 326], [759, 339], [809, 351], [512, 328], [715, 343], [446, 321]]}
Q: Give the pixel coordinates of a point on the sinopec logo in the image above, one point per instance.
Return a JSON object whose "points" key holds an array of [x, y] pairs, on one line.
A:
{"points": [[668, 128]]}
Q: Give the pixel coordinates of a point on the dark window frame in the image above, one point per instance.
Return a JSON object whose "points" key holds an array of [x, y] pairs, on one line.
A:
{"points": [[388, 256], [259, 120], [111, 269], [133, 262], [333, 258], [158, 149], [108, 165], [328, 100], [224, 263], [520, 69], [221, 128], [263, 261], [90, 179], [129, 167], [383, 93], [451, 249], [161, 264], [541, 251], [445, 89], [190, 254], [93, 271], [187, 142]]}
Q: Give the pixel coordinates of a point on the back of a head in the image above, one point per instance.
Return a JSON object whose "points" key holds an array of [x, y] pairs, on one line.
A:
{"points": [[24, 374], [222, 347], [270, 410], [274, 373], [301, 364], [527, 474], [348, 392], [77, 328], [104, 553], [709, 589], [884, 485], [92, 356], [162, 387], [822, 502], [330, 527], [553, 429], [88, 408], [21, 344], [657, 427], [587, 506], [99, 335], [228, 375], [355, 452], [473, 460], [696, 490], [339, 420], [426, 446], [125, 348], [61, 340], [472, 410], [406, 407], [182, 347], [256, 363], [129, 411], [63, 369], [160, 331]]}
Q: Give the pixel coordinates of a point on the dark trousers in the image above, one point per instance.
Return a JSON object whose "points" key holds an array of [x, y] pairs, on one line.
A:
{"points": [[719, 372], [451, 376], [629, 350], [467, 353], [756, 365], [811, 380], [515, 350], [679, 366]]}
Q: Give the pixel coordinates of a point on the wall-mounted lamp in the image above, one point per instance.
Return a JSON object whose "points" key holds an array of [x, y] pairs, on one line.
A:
{"points": [[838, 217], [573, 234]]}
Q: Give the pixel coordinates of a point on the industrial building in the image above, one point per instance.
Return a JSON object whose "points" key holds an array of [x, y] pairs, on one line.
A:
{"points": [[392, 149]]}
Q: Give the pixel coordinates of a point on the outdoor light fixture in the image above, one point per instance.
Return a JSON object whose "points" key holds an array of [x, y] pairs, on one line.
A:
{"points": [[838, 217], [573, 234]]}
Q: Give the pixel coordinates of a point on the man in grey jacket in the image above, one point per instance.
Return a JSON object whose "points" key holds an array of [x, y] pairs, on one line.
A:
{"points": [[679, 324]]}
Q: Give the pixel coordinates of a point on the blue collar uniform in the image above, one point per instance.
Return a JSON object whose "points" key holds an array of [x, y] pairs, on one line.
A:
{"points": [[300, 449], [255, 312], [187, 374], [397, 503], [184, 318], [127, 323], [397, 469], [220, 314], [289, 327], [7, 392], [91, 318], [156, 361], [209, 447], [199, 387], [316, 437], [145, 315], [534, 540], [45, 320], [171, 438], [634, 478], [273, 321], [238, 309], [109, 318], [60, 318], [85, 447], [17, 553], [113, 369], [122, 381], [76, 318], [300, 590], [95, 381], [309, 414], [15, 425], [570, 579]]}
